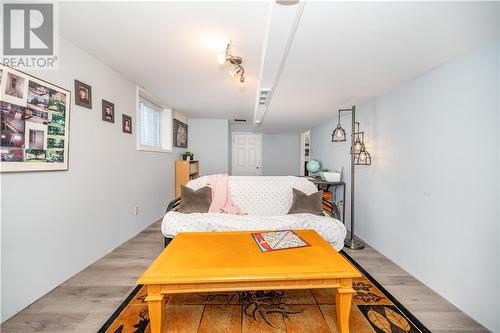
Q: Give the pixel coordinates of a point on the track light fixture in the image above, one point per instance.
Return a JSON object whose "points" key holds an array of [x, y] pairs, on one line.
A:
{"points": [[236, 61]]}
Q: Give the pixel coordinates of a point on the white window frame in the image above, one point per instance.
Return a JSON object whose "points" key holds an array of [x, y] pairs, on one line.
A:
{"points": [[166, 122]]}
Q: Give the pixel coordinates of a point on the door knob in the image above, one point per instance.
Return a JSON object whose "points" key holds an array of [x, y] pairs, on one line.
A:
{"points": [[257, 167]]}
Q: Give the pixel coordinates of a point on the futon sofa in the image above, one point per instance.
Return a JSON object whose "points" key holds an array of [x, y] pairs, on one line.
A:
{"points": [[265, 202]]}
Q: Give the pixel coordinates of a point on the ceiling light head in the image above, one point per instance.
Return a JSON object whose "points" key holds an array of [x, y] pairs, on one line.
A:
{"points": [[236, 71], [234, 60]]}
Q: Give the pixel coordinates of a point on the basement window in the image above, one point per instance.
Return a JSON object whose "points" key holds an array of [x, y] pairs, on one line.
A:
{"points": [[154, 125]]}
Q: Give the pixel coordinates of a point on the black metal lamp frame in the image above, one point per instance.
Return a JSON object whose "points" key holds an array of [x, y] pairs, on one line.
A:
{"points": [[352, 242], [367, 160], [338, 130]]}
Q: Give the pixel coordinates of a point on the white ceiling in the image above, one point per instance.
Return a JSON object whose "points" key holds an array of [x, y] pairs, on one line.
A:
{"points": [[341, 54], [346, 52], [170, 48]]}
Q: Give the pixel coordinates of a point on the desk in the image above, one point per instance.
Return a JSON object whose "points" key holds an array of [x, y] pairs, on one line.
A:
{"points": [[325, 186]]}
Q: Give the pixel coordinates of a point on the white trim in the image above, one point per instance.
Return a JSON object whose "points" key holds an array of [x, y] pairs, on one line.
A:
{"points": [[150, 98], [165, 121], [152, 149]]}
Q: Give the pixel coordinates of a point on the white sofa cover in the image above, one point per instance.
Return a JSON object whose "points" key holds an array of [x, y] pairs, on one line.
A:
{"points": [[266, 201]]}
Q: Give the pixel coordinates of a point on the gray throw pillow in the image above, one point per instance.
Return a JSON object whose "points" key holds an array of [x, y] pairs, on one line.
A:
{"points": [[303, 203], [195, 201]]}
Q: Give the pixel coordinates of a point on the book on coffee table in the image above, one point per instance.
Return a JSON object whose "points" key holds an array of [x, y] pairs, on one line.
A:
{"points": [[278, 240]]}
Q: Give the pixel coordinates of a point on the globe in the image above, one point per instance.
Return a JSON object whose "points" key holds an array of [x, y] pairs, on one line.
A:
{"points": [[313, 166]]}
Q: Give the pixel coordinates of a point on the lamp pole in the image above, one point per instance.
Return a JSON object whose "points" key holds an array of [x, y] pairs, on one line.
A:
{"points": [[351, 242]]}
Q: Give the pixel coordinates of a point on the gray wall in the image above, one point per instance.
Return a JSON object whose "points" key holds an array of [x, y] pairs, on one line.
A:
{"points": [[430, 199], [334, 156], [280, 154], [247, 128], [209, 142], [54, 224]]}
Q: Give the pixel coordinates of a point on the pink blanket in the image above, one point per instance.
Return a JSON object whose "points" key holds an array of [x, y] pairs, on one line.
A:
{"points": [[221, 197]]}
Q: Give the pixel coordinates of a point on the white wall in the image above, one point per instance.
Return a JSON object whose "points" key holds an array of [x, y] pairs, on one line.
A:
{"points": [[208, 140], [430, 199], [54, 224], [280, 154]]}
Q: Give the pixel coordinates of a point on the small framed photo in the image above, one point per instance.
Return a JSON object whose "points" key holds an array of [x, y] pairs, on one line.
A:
{"points": [[15, 88], [83, 94], [126, 124], [180, 130], [108, 111]]}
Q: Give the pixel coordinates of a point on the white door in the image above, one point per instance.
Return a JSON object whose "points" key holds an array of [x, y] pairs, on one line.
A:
{"points": [[247, 154]]}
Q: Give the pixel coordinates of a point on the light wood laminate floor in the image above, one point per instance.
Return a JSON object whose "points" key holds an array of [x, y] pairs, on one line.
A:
{"points": [[85, 301]]}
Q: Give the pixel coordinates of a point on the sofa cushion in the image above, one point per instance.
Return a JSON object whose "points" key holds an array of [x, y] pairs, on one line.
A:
{"points": [[332, 230], [195, 201], [262, 195], [303, 203]]}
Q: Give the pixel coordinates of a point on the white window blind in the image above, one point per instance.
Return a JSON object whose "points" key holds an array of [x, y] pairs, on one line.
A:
{"points": [[149, 124]]}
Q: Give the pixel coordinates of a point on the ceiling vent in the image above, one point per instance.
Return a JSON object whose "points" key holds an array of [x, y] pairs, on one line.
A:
{"points": [[264, 94]]}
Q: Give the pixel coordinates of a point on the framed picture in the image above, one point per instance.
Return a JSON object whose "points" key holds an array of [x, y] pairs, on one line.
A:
{"points": [[14, 87], [180, 134], [126, 124], [108, 111], [83, 94], [34, 127]]}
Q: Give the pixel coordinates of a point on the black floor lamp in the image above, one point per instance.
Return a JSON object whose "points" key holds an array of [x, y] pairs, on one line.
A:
{"points": [[359, 156]]}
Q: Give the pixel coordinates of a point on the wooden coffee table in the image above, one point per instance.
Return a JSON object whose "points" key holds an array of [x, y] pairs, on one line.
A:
{"points": [[232, 261]]}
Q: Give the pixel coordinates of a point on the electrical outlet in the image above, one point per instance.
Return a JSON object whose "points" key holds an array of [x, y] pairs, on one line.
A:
{"points": [[136, 210]]}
